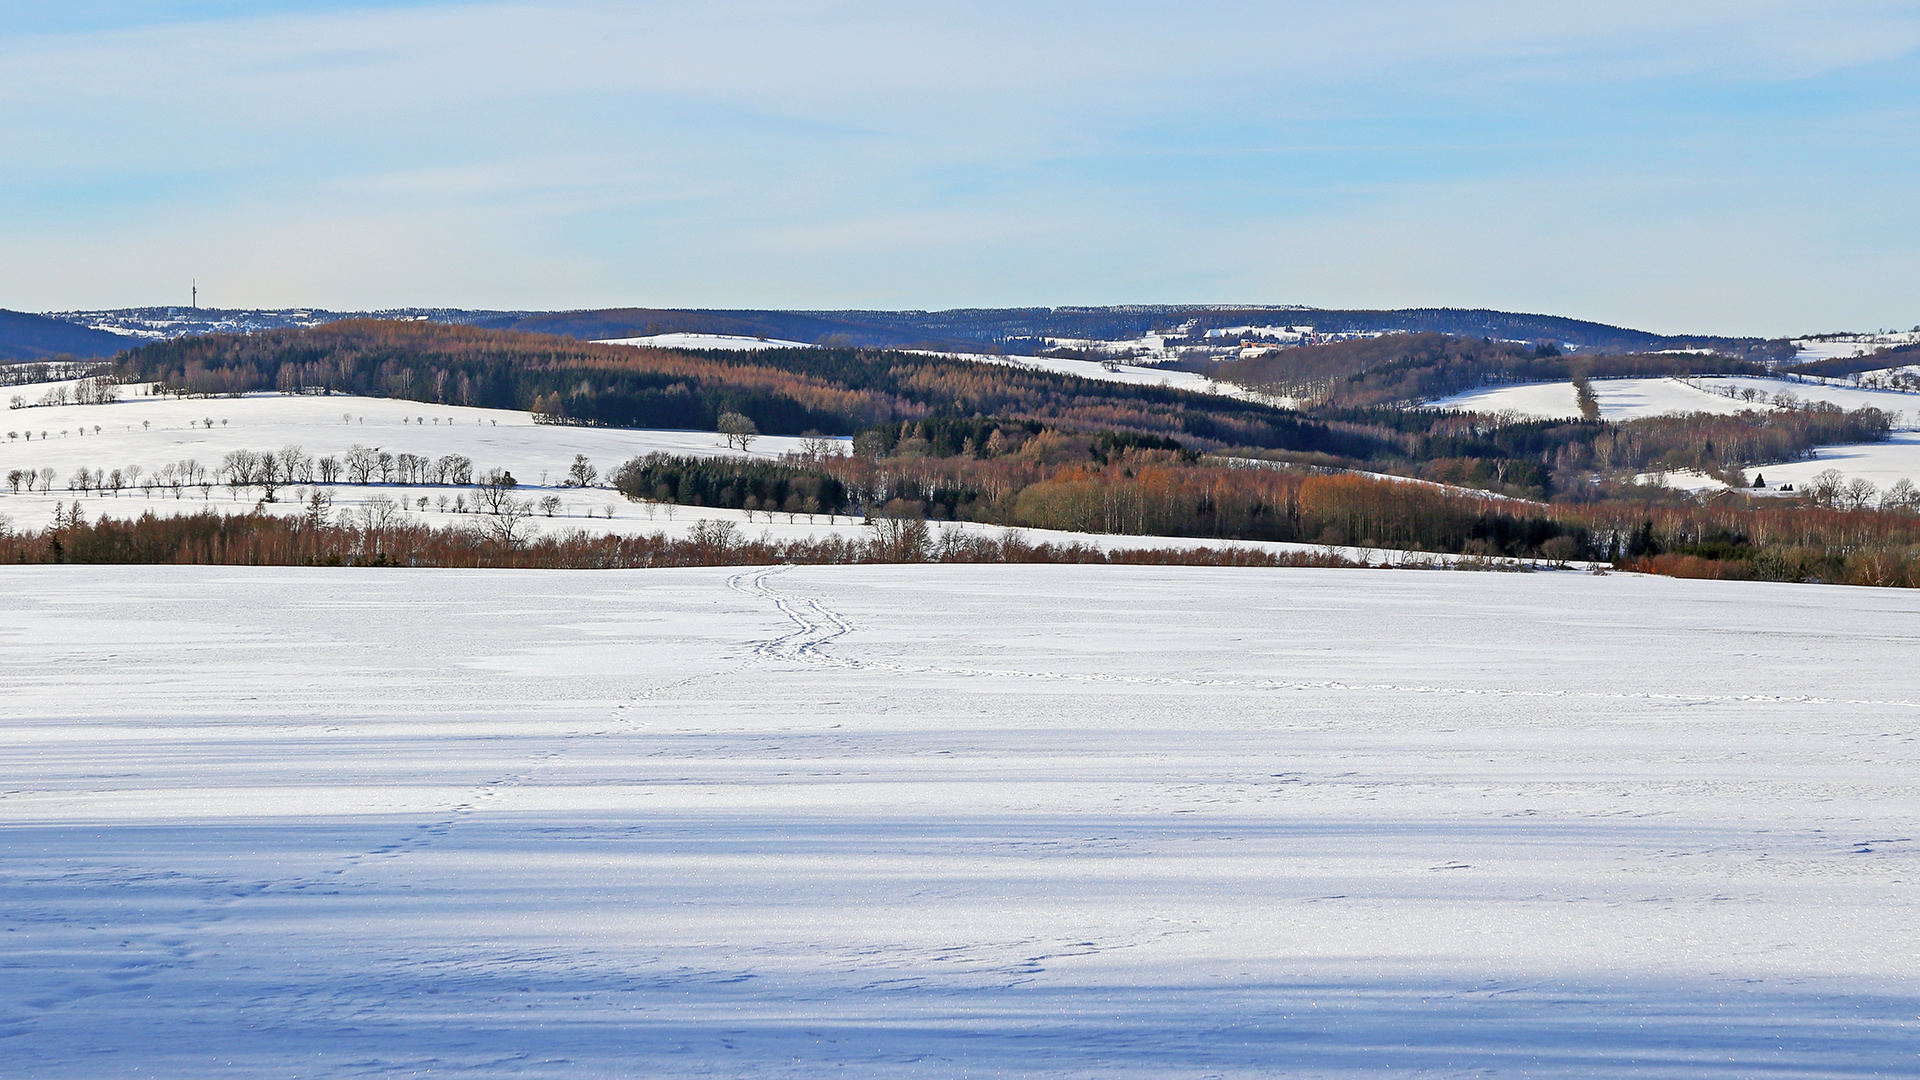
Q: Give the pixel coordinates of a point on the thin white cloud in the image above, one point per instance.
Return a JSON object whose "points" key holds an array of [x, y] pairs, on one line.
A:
{"points": [[828, 152]]}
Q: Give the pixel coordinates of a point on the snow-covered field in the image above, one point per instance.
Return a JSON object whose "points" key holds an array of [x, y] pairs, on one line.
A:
{"points": [[1627, 399], [153, 432], [1845, 346], [1883, 463], [954, 821], [1633, 399], [726, 342], [1131, 374]]}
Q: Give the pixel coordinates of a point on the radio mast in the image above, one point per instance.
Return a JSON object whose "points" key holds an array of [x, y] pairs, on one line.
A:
{"points": [[196, 294]]}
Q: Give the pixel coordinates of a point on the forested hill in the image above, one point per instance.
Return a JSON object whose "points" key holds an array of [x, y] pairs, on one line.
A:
{"points": [[1013, 330], [36, 337], [1024, 328], [788, 391], [1407, 369]]}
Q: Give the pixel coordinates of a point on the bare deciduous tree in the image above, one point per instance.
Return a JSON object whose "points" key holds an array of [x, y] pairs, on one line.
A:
{"points": [[1859, 493], [494, 490], [380, 513], [738, 430], [361, 462], [582, 474], [1826, 487]]}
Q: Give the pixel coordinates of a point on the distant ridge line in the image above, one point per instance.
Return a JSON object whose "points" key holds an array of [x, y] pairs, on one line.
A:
{"points": [[957, 329]]}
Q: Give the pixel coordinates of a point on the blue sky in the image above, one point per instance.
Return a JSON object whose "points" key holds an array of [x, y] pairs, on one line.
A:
{"points": [[1715, 167]]}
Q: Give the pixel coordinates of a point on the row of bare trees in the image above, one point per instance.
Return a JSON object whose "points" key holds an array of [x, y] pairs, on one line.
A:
{"points": [[95, 390], [268, 470], [272, 469], [174, 476], [1831, 488]]}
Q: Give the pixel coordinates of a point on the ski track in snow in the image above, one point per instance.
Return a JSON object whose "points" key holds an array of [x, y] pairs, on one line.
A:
{"points": [[760, 822], [816, 625]]}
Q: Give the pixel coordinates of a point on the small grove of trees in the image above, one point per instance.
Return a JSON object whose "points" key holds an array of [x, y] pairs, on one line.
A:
{"points": [[93, 390], [1585, 398], [1831, 489], [732, 483], [738, 430], [29, 478]]}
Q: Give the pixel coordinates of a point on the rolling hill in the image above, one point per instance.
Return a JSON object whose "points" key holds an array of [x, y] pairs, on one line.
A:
{"points": [[37, 337]]}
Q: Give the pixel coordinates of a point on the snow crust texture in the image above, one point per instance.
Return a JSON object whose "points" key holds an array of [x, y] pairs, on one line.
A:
{"points": [[954, 821]]}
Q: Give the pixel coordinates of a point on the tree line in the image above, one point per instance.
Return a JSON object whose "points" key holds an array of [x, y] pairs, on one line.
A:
{"points": [[242, 471], [258, 539], [1138, 491]]}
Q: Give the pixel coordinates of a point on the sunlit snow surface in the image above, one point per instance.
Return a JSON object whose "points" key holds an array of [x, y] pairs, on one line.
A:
{"points": [[1634, 399], [945, 821], [727, 342]]}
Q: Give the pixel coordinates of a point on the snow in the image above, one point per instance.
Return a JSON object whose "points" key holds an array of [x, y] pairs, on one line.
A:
{"points": [[1689, 480], [1131, 374], [1625, 399], [945, 821], [1883, 463], [1533, 400], [1847, 346], [1633, 399], [1277, 333], [152, 432], [1905, 406], [726, 342]]}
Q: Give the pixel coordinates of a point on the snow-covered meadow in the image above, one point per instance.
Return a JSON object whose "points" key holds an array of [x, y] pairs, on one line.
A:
{"points": [[1883, 463], [946, 821], [152, 432], [1847, 346], [1634, 399], [1631, 399]]}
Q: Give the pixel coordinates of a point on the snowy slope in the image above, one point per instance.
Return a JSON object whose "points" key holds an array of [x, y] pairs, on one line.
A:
{"points": [[727, 342], [1883, 463], [152, 432], [1905, 406], [947, 821], [1542, 400], [1846, 346], [1620, 399], [1119, 373], [1632, 399]]}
